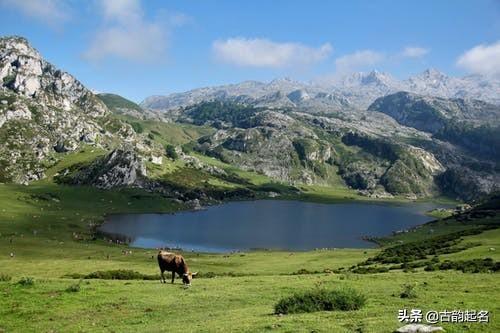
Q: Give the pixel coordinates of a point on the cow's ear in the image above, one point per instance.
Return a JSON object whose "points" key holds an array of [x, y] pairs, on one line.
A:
{"points": [[194, 274]]}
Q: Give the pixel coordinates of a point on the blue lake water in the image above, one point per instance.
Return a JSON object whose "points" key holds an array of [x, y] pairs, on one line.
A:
{"points": [[268, 224]]}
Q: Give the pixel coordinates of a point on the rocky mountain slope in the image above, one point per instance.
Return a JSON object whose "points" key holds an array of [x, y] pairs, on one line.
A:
{"points": [[471, 124], [368, 151], [354, 91], [431, 114], [277, 93], [44, 112], [469, 128], [404, 144]]}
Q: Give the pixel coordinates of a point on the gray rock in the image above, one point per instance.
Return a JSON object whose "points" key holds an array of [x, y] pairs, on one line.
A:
{"points": [[419, 328], [117, 169]]}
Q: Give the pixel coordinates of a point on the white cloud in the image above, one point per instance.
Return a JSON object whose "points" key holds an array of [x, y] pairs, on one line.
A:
{"points": [[260, 52], [482, 59], [414, 52], [358, 60], [139, 43], [122, 11], [127, 34], [52, 12]]}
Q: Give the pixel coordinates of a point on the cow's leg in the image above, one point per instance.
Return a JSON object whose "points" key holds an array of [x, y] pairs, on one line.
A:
{"points": [[173, 277], [162, 277]]}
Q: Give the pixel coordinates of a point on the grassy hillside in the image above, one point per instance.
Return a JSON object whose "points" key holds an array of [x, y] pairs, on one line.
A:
{"points": [[115, 102], [167, 133]]}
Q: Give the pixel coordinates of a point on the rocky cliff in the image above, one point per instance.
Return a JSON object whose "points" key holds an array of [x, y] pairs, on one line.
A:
{"points": [[44, 112]]}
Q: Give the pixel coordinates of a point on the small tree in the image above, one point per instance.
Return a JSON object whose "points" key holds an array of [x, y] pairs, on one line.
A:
{"points": [[171, 152]]}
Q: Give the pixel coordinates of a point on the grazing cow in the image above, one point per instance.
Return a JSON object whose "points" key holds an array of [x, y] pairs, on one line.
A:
{"points": [[174, 263]]}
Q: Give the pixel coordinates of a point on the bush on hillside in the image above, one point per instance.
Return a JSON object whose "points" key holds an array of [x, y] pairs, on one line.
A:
{"points": [[408, 291], [170, 152], [471, 266], [321, 300], [74, 288], [26, 281]]}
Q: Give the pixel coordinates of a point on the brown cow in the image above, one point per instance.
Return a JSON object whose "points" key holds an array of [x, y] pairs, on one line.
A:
{"points": [[174, 263]]}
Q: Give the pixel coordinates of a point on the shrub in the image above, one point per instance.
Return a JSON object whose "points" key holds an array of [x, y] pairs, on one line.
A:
{"points": [[74, 288], [420, 250], [430, 268], [471, 266], [408, 291], [9, 80], [211, 275], [119, 274], [304, 271], [170, 152], [370, 270], [5, 277], [138, 128], [26, 281], [321, 300]]}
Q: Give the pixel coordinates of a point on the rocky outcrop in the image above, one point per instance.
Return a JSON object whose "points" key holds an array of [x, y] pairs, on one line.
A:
{"points": [[118, 169], [25, 72]]}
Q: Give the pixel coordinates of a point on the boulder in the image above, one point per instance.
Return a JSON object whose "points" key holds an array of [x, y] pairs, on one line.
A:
{"points": [[418, 328]]}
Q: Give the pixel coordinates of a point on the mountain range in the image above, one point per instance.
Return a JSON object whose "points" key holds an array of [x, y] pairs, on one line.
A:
{"points": [[354, 91], [426, 136]]}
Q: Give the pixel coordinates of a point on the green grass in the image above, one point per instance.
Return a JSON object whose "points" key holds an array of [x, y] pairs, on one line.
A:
{"points": [[113, 101], [85, 155], [168, 133], [439, 214], [243, 304]]}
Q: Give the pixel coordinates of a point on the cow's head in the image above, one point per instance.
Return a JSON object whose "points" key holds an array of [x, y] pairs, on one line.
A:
{"points": [[187, 277]]}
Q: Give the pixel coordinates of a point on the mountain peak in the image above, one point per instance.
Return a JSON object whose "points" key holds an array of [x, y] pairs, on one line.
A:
{"points": [[433, 73], [25, 72], [283, 80], [14, 38], [376, 77], [19, 45]]}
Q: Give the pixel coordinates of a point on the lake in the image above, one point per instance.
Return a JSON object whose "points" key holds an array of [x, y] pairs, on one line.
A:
{"points": [[268, 224]]}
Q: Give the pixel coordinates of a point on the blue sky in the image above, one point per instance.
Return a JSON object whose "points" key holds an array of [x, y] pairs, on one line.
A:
{"points": [[140, 48]]}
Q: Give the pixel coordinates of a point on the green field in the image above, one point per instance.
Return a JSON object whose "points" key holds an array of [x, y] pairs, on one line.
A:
{"points": [[46, 233]]}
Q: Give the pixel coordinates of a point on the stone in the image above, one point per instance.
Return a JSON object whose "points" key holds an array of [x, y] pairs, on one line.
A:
{"points": [[158, 160], [419, 328]]}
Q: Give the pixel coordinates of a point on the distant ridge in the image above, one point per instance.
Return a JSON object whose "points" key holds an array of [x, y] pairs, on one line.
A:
{"points": [[353, 91]]}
